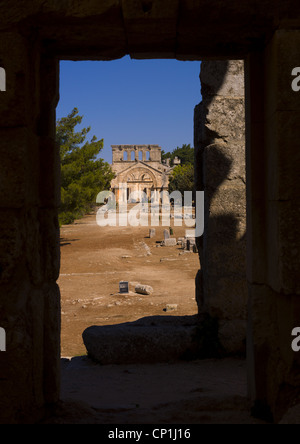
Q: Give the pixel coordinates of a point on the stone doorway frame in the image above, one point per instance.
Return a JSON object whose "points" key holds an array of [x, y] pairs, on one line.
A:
{"points": [[34, 36]]}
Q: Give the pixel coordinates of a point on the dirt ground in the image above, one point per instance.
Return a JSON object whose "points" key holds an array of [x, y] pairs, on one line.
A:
{"points": [[95, 259]]}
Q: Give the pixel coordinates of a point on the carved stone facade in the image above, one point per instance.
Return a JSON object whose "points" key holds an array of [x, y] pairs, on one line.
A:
{"points": [[140, 168]]}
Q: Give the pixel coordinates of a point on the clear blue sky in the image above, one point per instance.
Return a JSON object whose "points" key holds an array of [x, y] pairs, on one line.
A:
{"points": [[133, 101]]}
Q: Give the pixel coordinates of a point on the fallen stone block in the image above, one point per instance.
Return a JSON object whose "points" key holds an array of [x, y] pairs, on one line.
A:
{"points": [[168, 259], [146, 248], [169, 242], [144, 289], [136, 342], [171, 307], [184, 252]]}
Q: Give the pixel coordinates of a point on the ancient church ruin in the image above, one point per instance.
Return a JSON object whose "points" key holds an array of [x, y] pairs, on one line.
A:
{"points": [[140, 172], [34, 37]]}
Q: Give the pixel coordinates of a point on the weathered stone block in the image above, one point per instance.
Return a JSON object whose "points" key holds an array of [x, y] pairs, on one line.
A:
{"points": [[223, 161], [52, 327], [131, 344], [223, 78], [171, 307], [227, 296], [50, 243], [82, 10], [49, 178], [142, 19], [284, 247], [17, 104], [284, 161], [279, 66], [144, 289], [18, 177], [269, 345], [220, 134], [225, 119], [21, 366], [33, 246], [228, 200], [172, 242], [11, 243], [232, 335]]}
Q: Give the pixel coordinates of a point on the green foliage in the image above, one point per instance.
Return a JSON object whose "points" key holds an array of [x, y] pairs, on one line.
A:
{"points": [[185, 154], [182, 176], [182, 179], [83, 174]]}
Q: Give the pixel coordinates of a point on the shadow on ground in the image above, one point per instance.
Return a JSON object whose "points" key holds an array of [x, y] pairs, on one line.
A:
{"points": [[198, 392], [176, 391]]}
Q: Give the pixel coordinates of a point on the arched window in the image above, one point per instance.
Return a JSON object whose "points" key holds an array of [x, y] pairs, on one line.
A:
{"points": [[132, 156], [148, 155], [125, 156]]}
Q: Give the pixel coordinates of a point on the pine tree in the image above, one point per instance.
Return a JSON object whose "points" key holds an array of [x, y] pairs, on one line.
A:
{"points": [[185, 154], [182, 179], [83, 173], [182, 176]]}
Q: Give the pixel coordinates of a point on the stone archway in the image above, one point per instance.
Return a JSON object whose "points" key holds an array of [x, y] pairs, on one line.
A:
{"points": [[34, 36], [138, 180]]}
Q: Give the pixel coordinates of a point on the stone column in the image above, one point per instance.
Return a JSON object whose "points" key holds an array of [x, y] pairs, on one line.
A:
{"points": [[220, 171], [29, 232], [273, 200], [49, 186]]}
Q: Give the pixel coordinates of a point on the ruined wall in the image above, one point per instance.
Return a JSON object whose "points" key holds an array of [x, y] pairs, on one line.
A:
{"points": [[149, 153], [29, 235], [273, 233], [220, 161]]}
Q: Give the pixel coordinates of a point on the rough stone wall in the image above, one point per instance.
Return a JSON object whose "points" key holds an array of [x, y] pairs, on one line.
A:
{"points": [[273, 204], [182, 29], [153, 151], [220, 160], [29, 235]]}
